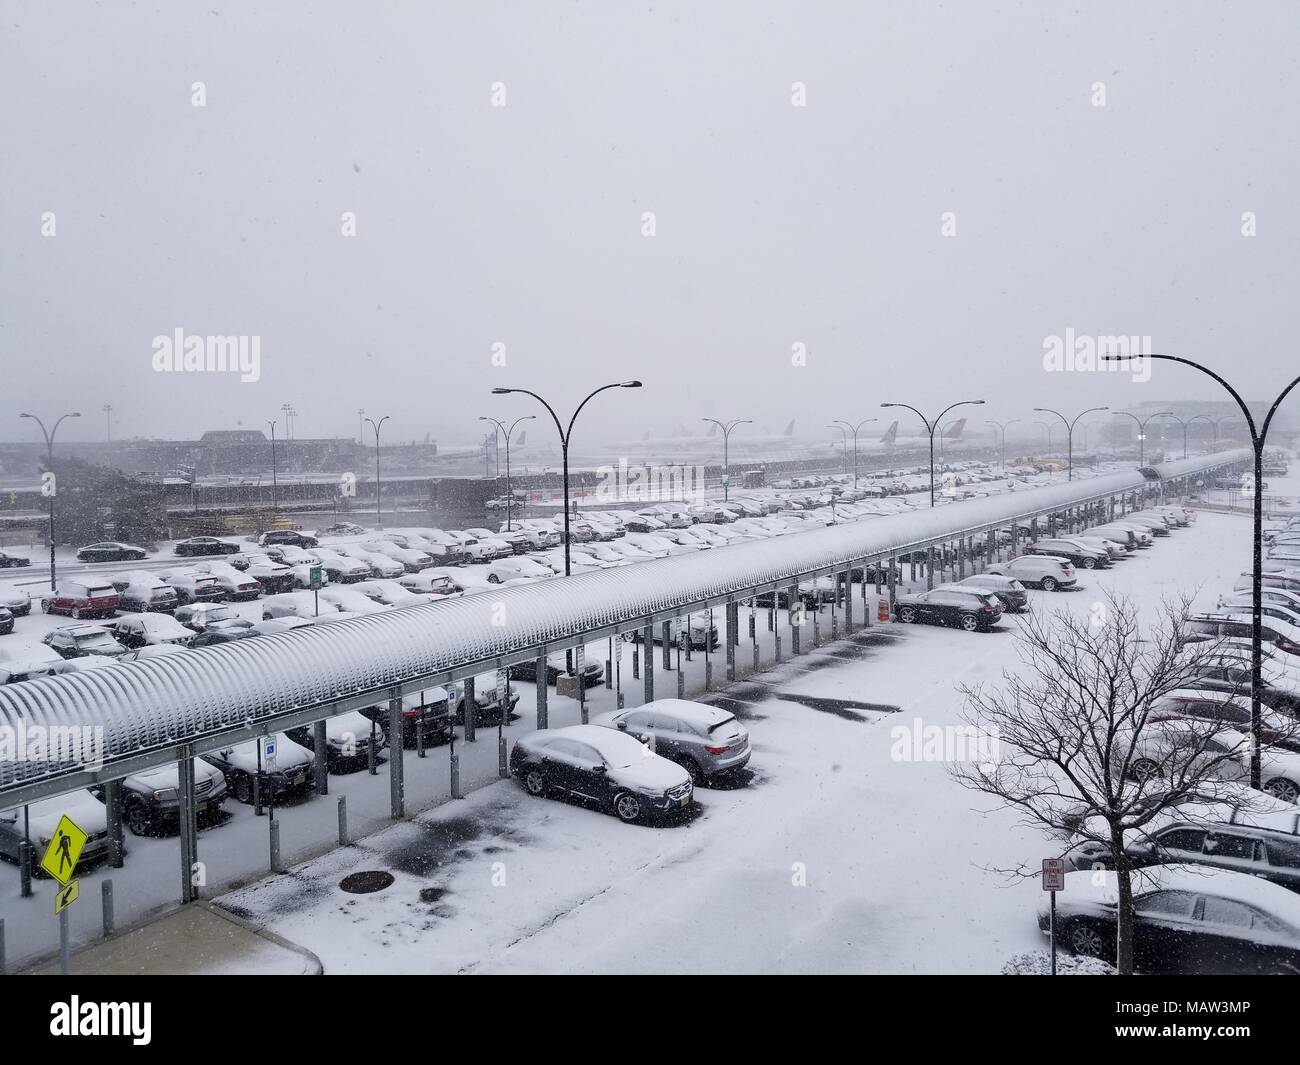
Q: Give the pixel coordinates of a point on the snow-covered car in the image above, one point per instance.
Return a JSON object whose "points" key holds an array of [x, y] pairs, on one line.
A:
{"points": [[8, 561], [76, 641], [42, 820], [205, 545], [1191, 919], [194, 587], [239, 762], [273, 576], [139, 591], [200, 616], [111, 551], [537, 537], [380, 565], [487, 705], [472, 549], [348, 737], [431, 582], [235, 586], [516, 567], [140, 630], [705, 740], [151, 802], [341, 568], [498, 547], [296, 605], [17, 600], [351, 600], [413, 561], [603, 766], [556, 664], [1048, 572], [288, 555], [390, 593]]}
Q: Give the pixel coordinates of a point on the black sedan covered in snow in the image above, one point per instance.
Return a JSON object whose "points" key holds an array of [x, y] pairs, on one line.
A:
{"points": [[206, 545], [603, 766], [111, 551], [1190, 920], [967, 608], [8, 561]]}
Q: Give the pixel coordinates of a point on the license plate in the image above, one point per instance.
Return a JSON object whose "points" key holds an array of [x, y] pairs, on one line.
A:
{"points": [[685, 800]]}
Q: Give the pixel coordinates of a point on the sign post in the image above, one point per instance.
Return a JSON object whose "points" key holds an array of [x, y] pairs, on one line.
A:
{"points": [[315, 578], [1053, 881], [266, 750], [503, 708], [60, 861]]}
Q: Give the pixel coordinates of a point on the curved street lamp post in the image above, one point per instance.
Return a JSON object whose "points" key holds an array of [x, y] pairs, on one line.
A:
{"points": [[1257, 440], [930, 427], [726, 457], [49, 465]]}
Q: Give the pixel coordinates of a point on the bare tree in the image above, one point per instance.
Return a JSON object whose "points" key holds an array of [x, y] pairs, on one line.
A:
{"points": [[1087, 744]]}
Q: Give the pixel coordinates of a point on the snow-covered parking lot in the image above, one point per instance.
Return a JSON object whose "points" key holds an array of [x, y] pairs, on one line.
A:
{"points": [[834, 856]]}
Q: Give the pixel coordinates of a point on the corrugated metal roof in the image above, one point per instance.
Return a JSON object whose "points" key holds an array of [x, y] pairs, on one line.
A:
{"points": [[175, 697]]}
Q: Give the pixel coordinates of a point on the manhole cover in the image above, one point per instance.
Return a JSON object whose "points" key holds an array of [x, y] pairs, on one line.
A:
{"points": [[365, 882]]}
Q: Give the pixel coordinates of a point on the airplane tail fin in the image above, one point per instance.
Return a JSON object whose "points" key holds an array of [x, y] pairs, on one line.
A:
{"points": [[890, 434], [713, 429], [522, 437], [954, 431], [789, 429]]}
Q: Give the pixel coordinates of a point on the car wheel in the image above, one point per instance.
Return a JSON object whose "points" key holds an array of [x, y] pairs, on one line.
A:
{"points": [[1089, 563], [627, 806], [970, 622], [76, 613], [1049, 584], [1084, 939], [242, 789], [534, 782], [1281, 788], [907, 614], [493, 579], [1145, 769], [138, 819], [692, 768]]}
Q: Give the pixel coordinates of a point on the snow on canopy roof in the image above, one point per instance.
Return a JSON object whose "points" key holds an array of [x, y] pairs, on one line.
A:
{"points": [[160, 701]]}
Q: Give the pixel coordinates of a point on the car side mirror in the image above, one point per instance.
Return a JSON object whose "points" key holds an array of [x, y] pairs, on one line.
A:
{"points": [[599, 768], [623, 725]]}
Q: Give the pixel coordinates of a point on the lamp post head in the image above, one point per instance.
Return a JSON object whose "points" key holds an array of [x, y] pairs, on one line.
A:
{"points": [[502, 391], [629, 384]]}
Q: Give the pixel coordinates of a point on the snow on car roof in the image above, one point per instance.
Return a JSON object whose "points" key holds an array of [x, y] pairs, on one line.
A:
{"points": [[701, 714], [1203, 880]]}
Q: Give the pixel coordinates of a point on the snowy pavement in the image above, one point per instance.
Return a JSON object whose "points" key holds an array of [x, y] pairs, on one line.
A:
{"points": [[833, 856]]}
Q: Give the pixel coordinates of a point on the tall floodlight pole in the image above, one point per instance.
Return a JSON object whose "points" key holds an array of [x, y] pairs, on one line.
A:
{"points": [[565, 437], [1142, 428], [49, 467], [1257, 439], [930, 427], [107, 408], [501, 428], [275, 487], [726, 454], [855, 429], [379, 513], [1069, 429], [1002, 426], [361, 425]]}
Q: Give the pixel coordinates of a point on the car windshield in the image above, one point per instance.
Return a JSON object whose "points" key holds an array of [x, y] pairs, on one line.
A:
{"points": [[92, 638]]}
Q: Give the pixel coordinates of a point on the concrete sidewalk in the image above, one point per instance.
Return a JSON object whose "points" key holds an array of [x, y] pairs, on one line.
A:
{"points": [[197, 940]]}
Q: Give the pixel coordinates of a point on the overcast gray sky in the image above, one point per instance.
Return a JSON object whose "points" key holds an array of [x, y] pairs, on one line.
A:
{"points": [[522, 224]]}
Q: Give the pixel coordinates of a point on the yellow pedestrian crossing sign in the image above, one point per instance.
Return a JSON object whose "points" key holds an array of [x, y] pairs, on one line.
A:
{"points": [[65, 848], [67, 896]]}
